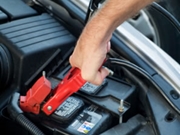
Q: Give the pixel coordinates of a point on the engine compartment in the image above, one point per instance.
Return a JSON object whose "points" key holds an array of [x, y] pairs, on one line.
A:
{"points": [[37, 40]]}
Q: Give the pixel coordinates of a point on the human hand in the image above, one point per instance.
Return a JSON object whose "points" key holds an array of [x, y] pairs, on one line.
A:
{"points": [[89, 59]]}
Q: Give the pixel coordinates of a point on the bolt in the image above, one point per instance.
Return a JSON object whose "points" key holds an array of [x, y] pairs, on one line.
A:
{"points": [[109, 70], [120, 119], [44, 73], [49, 108], [121, 107]]}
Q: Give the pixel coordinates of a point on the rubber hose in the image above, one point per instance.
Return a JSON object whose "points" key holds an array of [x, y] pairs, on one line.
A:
{"points": [[17, 114], [23, 121]]}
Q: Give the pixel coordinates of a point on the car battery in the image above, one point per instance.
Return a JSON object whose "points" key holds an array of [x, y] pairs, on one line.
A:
{"points": [[91, 110], [107, 95], [77, 116]]}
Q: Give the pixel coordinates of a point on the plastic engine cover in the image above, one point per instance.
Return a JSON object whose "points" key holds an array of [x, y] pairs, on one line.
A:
{"points": [[32, 42]]}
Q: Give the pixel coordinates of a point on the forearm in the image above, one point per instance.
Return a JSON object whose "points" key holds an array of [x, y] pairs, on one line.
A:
{"points": [[114, 12], [111, 15], [93, 44]]}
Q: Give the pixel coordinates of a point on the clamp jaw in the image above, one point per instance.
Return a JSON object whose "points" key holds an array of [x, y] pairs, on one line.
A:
{"points": [[69, 85], [34, 99], [35, 96]]}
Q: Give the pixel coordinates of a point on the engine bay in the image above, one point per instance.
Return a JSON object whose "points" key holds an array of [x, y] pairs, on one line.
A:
{"points": [[36, 43]]}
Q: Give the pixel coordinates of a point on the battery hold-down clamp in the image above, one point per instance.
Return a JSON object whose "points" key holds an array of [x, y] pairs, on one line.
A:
{"points": [[34, 101]]}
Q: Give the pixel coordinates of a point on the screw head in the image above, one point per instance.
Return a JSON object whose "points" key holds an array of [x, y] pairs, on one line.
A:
{"points": [[49, 108]]}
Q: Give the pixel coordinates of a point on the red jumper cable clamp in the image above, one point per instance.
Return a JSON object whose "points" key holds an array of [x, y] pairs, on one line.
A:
{"points": [[36, 95], [34, 101], [69, 85]]}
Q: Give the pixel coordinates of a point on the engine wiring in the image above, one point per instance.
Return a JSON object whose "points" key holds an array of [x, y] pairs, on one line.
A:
{"points": [[128, 64]]}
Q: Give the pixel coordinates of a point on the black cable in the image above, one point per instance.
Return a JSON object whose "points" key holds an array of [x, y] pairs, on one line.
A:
{"points": [[167, 14], [130, 65], [17, 114], [28, 125]]}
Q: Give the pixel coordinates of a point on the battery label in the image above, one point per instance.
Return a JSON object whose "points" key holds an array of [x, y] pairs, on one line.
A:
{"points": [[91, 88], [68, 108], [85, 127], [86, 120]]}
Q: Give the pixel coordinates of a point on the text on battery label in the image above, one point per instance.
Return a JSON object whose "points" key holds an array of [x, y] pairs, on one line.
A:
{"points": [[67, 107], [89, 87]]}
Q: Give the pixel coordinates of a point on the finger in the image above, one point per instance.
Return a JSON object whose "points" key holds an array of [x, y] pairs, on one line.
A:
{"points": [[101, 75], [73, 62]]}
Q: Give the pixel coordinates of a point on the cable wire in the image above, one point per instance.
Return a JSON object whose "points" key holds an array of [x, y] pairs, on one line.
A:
{"points": [[130, 65]]}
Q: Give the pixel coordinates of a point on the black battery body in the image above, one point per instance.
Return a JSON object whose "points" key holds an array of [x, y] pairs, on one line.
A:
{"points": [[83, 119], [91, 110]]}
